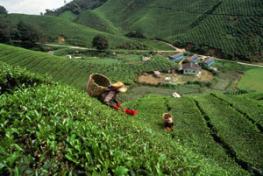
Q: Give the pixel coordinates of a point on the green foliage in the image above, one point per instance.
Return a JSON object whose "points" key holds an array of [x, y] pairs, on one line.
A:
{"points": [[252, 80], [100, 42], [56, 26], [15, 77], [58, 130], [229, 28], [5, 31], [235, 129], [97, 21], [3, 11], [27, 34], [135, 34], [75, 72], [77, 6], [229, 117]]}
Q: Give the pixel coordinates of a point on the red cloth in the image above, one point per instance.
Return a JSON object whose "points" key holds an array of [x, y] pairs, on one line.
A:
{"points": [[131, 112], [116, 106]]}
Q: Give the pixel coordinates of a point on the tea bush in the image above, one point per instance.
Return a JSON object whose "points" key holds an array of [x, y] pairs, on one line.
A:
{"points": [[56, 130], [15, 77]]}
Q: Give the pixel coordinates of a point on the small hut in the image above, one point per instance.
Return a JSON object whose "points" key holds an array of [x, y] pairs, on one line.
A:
{"points": [[191, 69]]}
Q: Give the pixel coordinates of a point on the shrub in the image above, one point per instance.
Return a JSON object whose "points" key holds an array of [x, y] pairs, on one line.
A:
{"points": [[133, 46], [56, 130], [136, 34], [3, 10], [100, 42], [15, 77]]}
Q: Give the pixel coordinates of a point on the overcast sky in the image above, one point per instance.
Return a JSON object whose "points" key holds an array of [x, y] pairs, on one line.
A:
{"points": [[31, 6]]}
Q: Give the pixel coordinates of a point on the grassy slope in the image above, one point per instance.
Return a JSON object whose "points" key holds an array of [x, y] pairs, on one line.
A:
{"points": [[232, 127], [191, 130], [96, 21], [12, 78], [52, 27], [252, 80], [232, 26], [75, 72], [84, 137], [78, 32]]}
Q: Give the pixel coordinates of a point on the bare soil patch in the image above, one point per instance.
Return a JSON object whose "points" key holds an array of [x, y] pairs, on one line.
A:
{"points": [[175, 78]]}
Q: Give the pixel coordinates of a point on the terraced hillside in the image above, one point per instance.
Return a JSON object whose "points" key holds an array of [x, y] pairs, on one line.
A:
{"points": [[227, 28], [51, 129], [52, 27], [222, 128], [75, 72], [49, 28]]}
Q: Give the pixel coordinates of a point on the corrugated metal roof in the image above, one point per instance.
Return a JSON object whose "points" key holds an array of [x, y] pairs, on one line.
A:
{"points": [[191, 66]]}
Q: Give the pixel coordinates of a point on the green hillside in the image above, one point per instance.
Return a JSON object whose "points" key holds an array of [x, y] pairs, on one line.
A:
{"points": [[214, 134], [75, 72], [78, 135], [95, 20], [230, 29], [77, 6], [222, 128], [226, 28], [252, 80], [52, 27]]}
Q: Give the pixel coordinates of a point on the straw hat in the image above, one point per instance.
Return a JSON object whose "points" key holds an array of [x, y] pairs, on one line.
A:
{"points": [[119, 86]]}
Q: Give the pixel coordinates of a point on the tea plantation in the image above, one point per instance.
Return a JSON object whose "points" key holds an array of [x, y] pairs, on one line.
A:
{"points": [[227, 28], [222, 128], [51, 129], [75, 72], [14, 77]]}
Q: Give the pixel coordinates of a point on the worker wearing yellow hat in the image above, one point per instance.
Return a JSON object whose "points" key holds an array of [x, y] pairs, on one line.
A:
{"points": [[109, 97]]}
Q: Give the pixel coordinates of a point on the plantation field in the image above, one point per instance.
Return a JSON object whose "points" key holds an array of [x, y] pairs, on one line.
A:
{"points": [[75, 72], [252, 80], [121, 67], [52, 27], [84, 137], [219, 127], [12, 78], [230, 28], [213, 133]]}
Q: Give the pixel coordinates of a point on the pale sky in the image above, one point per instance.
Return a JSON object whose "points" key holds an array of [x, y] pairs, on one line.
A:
{"points": [[31, 6]]}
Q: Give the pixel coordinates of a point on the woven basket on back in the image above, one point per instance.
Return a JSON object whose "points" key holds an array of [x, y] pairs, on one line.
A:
{"points": [[97, 84]]}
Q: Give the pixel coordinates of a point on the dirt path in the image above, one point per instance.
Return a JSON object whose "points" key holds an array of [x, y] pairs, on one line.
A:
{"points": [[114, 50], [181, 50]]}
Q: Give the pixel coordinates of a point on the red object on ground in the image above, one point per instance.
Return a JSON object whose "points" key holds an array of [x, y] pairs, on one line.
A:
{"points": [[117, 106], [131, 112]]}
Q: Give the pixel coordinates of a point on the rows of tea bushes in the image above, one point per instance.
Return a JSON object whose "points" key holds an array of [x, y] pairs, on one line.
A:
{"points": [[57, 130], [255, 96], [233, 29], [190, 129], [252, 109], [15, 77], [244, 141], [75, 72]]}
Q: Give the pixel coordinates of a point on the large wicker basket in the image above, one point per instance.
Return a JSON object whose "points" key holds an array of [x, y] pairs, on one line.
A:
{"points": [[97, 84]]}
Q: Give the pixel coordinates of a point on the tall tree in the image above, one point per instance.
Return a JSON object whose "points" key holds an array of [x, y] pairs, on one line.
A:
{"points": [[28, 34], [4, 31], [3, 10], [100, 42]]}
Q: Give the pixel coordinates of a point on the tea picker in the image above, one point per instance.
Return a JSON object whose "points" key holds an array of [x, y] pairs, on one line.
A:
{"points": [[168, 122], [100, 87]]}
